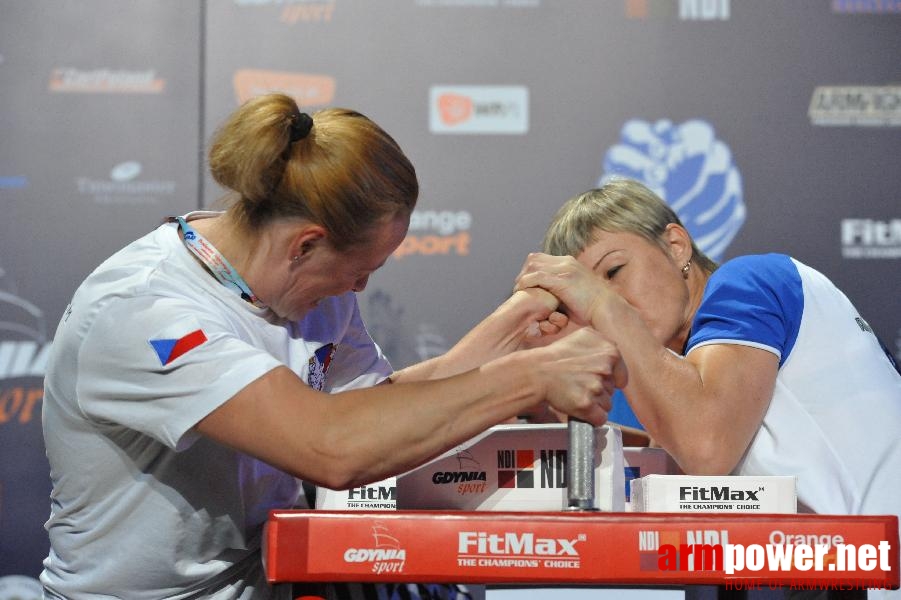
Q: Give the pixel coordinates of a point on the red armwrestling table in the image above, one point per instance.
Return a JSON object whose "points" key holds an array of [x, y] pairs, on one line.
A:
{"points": [[556, 547]]}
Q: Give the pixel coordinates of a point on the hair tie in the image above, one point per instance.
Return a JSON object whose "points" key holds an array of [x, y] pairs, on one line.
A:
{"points": [[301, 124]]}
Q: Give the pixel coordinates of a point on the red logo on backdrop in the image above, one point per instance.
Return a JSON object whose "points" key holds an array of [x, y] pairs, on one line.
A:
{"points": [[105, 81], [308, 12], [307, 90], [454, 108]]}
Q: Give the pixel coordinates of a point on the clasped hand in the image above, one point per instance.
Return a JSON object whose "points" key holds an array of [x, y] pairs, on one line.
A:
{"points": [[581, 367]]}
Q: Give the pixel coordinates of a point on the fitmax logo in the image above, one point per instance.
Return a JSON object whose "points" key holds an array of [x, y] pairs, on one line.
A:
{"points": [[511, 543], [378, 492], [871, 238], [718, 493]]}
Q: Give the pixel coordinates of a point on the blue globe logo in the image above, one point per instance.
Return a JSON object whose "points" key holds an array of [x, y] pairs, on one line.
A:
{"points": [[691, 170]]}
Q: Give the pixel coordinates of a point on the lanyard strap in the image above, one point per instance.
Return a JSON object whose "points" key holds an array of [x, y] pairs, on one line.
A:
{"points": [[217, 264]]}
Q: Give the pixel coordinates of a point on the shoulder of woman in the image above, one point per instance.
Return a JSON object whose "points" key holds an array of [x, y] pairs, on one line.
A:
{"points": [[757, 266]]}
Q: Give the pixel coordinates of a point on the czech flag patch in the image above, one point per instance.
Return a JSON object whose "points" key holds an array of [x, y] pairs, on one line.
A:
{"points": [[168, 349], [318, 365]]}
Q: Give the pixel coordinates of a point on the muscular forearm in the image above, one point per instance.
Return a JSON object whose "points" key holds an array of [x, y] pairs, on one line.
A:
{"points": [[499, 334], [404, 424], [704, 431], [358, 436]]}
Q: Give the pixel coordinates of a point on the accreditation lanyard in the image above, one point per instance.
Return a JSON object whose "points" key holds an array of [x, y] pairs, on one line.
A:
{"points": [[217, 264]]}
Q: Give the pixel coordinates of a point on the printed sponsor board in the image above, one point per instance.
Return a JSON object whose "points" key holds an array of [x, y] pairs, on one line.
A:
{"points": [[436, 232], [513, 467], [860, 105], [478, 4], [307, 89], [866, 7], [478, 109], [105, 81], [24, 349], [559, 547], [13, 182], [292, 12], [696, 493], [125, 186], [24, 481], [871, 238], [684, 10]]}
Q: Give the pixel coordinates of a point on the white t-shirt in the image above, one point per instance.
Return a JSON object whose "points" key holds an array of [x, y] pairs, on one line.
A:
{"points": [[835, 417], [142, 507]]}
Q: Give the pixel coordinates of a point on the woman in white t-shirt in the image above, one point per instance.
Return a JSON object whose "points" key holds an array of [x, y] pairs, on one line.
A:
{"points": [[204, 369]]}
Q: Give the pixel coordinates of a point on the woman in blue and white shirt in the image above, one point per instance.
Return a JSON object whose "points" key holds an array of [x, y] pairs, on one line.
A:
{"points": [[760, 366]]}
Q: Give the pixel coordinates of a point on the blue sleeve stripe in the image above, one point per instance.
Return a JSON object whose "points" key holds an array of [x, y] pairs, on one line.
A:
{"points": [[734, 342], [753, 300]]}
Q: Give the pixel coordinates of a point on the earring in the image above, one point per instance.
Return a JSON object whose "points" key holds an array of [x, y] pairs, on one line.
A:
{"points": [[685, 269], [295, 258]]}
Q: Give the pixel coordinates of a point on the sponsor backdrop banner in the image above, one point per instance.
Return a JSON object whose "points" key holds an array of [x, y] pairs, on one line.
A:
{"points": [[771, 125]]}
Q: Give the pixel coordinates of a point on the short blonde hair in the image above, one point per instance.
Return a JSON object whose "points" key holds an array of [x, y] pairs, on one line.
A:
{"points": [[346, 174], [621, 205]]}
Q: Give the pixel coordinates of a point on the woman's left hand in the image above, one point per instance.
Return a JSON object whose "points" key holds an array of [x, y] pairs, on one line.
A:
{"points": [[578, 289]]}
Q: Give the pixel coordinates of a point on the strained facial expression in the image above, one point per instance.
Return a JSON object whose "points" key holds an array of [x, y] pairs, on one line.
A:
{"points": [[328, 272], [645, 275]]}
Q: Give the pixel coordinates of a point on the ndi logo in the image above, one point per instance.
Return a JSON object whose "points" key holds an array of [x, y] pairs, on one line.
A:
{"points": [[689, 168], [651, 542], [516, 468], [871, 238]]}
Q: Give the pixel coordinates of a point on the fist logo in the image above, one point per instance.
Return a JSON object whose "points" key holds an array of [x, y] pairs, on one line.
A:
{"points": [[691, 170]]}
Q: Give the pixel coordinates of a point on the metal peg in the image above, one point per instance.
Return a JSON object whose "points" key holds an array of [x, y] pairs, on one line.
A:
{"points": [[580, 466]]}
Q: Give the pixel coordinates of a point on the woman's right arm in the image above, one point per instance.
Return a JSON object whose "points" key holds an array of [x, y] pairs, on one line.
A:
{"points": [[353, 437]]}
